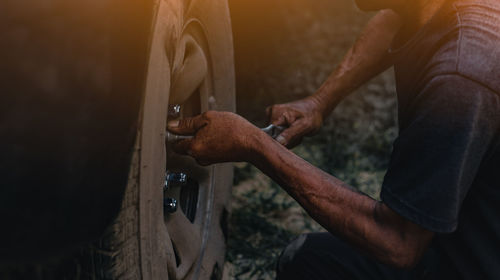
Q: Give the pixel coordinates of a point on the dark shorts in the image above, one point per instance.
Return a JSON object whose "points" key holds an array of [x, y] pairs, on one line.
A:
{"points": [[318, 256]]}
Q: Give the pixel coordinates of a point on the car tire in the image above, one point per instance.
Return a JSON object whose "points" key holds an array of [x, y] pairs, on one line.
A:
{"points": [[190, 65], [80, 74]]}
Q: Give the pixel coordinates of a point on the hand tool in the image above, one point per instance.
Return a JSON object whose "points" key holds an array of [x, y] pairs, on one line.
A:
{"points": [[271, 130]]}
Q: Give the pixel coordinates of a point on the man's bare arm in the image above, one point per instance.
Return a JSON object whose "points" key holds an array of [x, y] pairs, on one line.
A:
{"points": [[369, 225], [367, 58], [366, 223]]}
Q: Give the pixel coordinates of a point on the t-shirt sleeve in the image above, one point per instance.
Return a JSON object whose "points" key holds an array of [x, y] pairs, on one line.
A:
{"points": [[446, 134]]}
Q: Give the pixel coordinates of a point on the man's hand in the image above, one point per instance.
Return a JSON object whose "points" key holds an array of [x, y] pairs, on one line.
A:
{"points": [[302, 117], [367, 58], [218, 137]]}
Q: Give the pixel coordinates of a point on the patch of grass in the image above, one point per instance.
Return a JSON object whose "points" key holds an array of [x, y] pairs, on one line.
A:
{"points": [[255, 239], [264, 220], [255, 244], [243, 172]]}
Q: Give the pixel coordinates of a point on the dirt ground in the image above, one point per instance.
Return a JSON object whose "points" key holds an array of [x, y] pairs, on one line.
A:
{"points": [[284, 50]]}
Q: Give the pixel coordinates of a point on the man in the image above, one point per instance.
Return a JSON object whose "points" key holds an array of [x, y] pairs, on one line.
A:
{"points": [[439, 213]]}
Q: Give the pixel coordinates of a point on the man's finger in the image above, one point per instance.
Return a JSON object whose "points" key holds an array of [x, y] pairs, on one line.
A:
{"points": [[281, 121], [287, 119], [188, 126], [273, 117], [182, 147], [292, 136]]}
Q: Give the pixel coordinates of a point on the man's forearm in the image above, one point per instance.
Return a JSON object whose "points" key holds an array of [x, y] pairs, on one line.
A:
{"points": [[364, 222], [367, 58]]}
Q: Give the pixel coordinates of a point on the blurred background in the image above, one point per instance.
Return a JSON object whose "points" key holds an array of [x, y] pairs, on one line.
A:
{"points": [[284, 51]]}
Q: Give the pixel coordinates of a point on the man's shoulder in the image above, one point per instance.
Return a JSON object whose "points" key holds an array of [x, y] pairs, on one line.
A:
{"points": [[478, 46], [464, 40]]}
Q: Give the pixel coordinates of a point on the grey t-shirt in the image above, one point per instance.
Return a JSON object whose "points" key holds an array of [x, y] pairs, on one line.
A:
{"points": [[444, 172]]}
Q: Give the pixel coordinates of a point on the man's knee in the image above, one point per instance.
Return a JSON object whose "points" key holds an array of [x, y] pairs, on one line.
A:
{"points": [[289, 261], [317, 256]]}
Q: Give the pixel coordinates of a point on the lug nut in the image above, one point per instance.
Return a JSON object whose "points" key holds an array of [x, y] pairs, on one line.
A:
{"points": [[175, 178], [174, 111], [170, 205]]}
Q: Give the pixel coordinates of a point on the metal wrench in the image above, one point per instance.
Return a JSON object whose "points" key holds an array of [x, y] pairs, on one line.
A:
{"points": [[271, 130]]}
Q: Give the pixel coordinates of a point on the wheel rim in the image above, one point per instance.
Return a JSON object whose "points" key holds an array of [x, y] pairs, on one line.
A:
{"points": [[184, 77], [188, 227]]}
